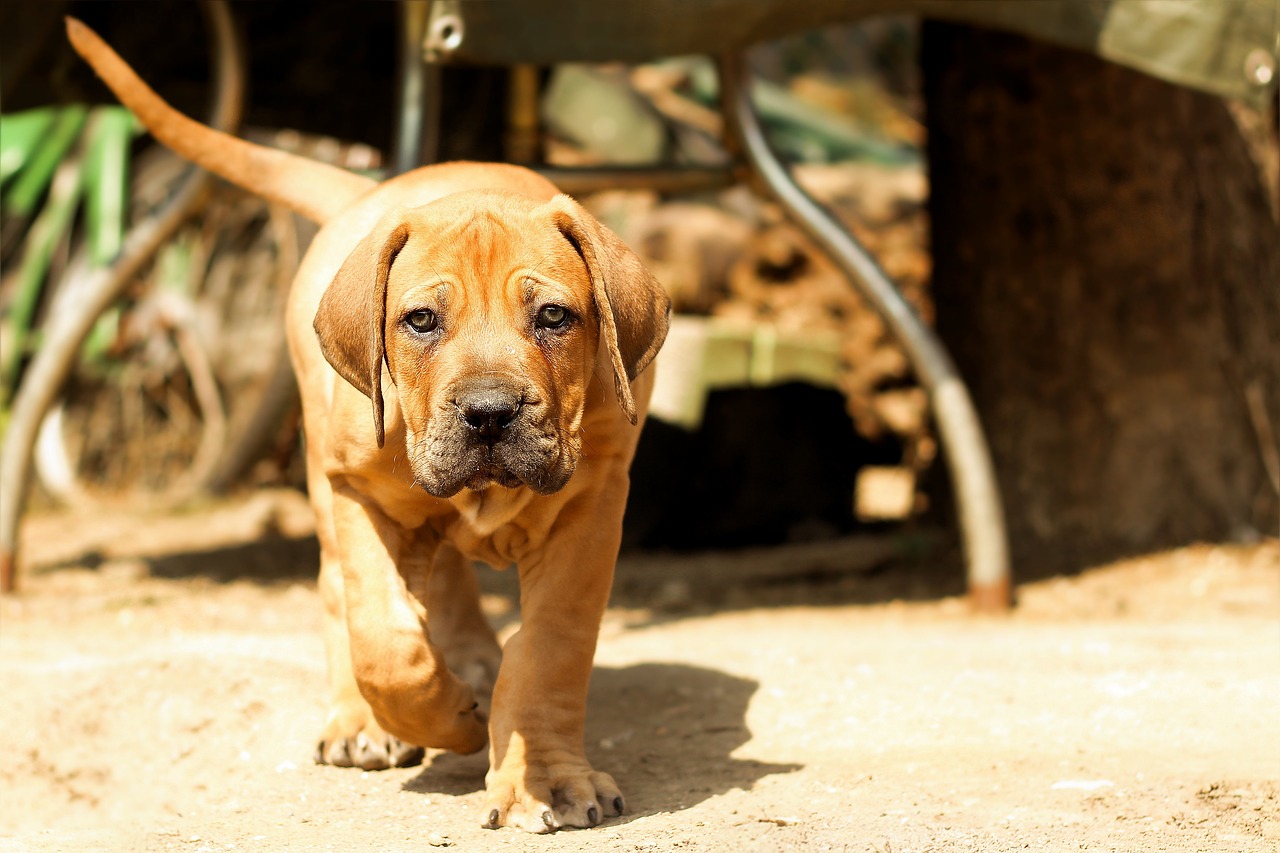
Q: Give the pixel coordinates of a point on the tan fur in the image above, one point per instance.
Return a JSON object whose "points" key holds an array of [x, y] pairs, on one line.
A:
{"points": [[492, 435]]}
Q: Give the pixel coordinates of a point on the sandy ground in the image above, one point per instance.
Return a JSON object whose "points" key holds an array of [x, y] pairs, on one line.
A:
{"points": [[163, 688]]}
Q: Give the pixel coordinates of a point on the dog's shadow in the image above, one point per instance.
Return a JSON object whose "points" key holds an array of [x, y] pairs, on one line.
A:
{"points": [[665, 731]]}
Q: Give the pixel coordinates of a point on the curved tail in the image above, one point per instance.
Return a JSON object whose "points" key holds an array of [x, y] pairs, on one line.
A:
{"points": [[316, 190]]}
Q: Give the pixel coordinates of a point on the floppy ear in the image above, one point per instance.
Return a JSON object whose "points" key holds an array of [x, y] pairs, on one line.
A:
{"points": [[633, 307], [351, 320]]}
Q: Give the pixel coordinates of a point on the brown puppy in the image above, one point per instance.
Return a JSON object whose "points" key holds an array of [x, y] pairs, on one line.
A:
{"points": [[471, 348]]}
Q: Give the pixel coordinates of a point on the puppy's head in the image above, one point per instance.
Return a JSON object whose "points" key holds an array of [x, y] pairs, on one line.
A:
{"points": [[489, 310]]}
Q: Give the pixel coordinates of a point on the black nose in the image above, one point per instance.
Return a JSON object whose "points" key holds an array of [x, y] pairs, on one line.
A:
{"points": [[488, 411]]}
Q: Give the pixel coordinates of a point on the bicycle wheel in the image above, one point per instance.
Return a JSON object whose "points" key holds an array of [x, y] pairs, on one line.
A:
{"points": [[188, 384]]}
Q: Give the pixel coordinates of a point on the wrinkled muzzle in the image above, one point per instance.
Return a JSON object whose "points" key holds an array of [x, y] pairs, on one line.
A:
{"points": [[491, 431]]}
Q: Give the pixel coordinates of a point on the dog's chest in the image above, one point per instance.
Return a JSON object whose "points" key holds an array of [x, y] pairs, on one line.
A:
{"points": [[488, 525]]}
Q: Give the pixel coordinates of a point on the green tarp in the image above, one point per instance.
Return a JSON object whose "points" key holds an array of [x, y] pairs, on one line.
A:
{"points": [[1227, 47]]}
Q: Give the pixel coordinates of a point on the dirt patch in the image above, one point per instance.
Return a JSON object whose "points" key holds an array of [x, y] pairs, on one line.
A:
{"points": [[164, 687]]}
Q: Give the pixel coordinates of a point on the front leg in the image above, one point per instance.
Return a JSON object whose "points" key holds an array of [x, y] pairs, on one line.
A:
{"points": [[539, 777], [351, 737], [400, 672]]}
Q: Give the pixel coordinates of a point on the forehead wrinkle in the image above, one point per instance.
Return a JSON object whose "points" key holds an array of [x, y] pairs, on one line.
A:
{"points": [[488, 253], [419, 276], [549, 267]]}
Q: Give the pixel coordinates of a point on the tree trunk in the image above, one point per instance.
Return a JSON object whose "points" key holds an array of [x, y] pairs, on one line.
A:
{"points": [[1107, 276]]}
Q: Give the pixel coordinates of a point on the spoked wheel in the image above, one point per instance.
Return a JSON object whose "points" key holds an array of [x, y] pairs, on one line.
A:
{"points": [[191, 377], [147, 432]]}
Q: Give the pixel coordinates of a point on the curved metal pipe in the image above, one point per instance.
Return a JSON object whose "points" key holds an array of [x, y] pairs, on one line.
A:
{"points": [[87, 295], [968, 457]]}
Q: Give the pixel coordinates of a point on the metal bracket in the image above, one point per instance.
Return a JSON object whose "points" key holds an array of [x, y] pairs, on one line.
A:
{"points": [[445, 30]]}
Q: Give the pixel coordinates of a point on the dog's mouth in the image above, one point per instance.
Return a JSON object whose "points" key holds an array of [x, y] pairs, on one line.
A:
{"points": [[492, 475], [479, 467]]}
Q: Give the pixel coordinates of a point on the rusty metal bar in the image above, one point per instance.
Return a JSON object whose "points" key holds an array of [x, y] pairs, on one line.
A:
{"points": [[417, 131], [663, 179]]}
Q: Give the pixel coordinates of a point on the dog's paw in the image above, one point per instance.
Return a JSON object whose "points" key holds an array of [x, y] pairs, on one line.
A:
{"points": [[364, 745], [558, 797]]}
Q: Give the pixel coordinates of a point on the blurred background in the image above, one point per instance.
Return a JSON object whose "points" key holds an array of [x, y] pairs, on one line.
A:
{"points": [[1096, 246]]}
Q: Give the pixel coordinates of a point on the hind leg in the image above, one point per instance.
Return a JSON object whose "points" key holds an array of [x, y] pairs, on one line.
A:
{"points": [[459, 627]]}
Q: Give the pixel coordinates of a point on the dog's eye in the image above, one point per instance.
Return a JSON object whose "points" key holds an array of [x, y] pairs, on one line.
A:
{"points": [[552, 316], [421, 321]]}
